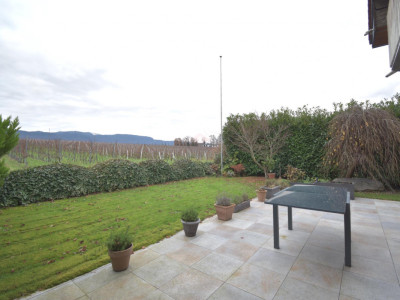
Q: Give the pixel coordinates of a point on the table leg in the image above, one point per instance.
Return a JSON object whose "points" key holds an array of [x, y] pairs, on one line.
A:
{"points": [[289, 213], [347, 236], [276, 225]]}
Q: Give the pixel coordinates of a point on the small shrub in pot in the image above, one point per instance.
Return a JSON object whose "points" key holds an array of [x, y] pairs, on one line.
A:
{"points": [[119, 246], [224, 207], [190, 221]]}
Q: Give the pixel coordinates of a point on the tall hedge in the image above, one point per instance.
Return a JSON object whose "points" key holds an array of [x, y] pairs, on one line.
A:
{"points": [[60, 181], [308, 135]]}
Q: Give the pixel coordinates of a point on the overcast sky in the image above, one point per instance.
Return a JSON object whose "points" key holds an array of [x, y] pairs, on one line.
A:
{"points": [[153, 67]]}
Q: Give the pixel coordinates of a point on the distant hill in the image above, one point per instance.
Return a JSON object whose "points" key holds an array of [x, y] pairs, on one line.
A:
{"points": [[87, 136]]}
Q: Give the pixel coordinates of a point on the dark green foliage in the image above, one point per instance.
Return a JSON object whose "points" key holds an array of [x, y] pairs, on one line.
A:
{"points": [[119, 240], [159, 171], [186, 168], [190, 215], [59, 181], [118, 174], [8, 140]]}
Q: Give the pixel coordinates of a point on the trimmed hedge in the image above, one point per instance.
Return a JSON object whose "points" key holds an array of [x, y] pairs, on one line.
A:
{"points": [[60, 181]]}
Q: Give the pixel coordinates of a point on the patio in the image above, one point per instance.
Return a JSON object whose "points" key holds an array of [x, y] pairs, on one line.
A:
{"points": [[236, 260]]}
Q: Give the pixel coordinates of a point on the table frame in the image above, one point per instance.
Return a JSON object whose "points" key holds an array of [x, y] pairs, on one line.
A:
{"points": [[347, 227]]}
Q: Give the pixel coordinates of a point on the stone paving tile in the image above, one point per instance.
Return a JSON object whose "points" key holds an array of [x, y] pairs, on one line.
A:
{"points": [[160, 270], [253, 238], [129, 286], [323, 256], [142, 257], [229, 292], [374, 269], [380, 253], [218, 265], [168, 245], [189, 254], [286, 246], [238, 223], [271, 260], [329, 241], [191, 285], [237, 249], [317, 274], [300, 290], [97, 278], [394, 246], [65, 291], [157, 295], [298, 236], [224, 231], [368, 240], [83, 298], [261, 228], [209, 241], [344, 297], [359, 287], [257, 281]]}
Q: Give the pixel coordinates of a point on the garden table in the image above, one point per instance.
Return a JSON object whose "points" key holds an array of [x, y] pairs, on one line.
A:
{"points": [[321, 198]]}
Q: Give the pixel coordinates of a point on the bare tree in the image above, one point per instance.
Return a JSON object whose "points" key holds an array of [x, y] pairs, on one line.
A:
{"points": [[256, 136]]}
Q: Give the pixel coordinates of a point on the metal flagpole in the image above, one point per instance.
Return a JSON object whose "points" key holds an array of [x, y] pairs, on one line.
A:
{"points": [[220, 76]]}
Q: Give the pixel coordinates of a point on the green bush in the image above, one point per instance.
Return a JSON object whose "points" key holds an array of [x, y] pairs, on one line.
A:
{"points": [[49, 182], [223, 200], [159, 171], [59, 181], [118, 174], [190, 215]]}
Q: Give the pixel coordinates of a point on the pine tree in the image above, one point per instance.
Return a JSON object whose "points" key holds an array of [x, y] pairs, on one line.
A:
{"points": [[8, 139]]}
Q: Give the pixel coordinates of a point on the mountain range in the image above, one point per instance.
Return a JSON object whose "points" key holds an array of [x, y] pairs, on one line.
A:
{"points": [[88, 136]]}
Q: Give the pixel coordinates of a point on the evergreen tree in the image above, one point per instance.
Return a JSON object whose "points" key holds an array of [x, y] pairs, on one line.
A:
{"points": [[8, 140]]}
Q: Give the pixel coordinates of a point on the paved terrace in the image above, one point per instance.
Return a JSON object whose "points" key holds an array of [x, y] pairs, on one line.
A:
{"points": [[236, 260]]}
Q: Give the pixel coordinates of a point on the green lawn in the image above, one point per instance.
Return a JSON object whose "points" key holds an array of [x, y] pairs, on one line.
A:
{"points": [[382, 196], [42, 245]]}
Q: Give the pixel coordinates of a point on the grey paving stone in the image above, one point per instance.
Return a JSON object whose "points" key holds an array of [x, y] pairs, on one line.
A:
{"points": [[65, 291], [142, 257], [97, 278], [317, 274], [324, 256], [286, 246], [271, 260], [126, 287], [168, 245], [257, 281], [374, 269], [239, 223], [218, 265], [157, 295], [300, 290], [160, 270], [261, 228], [209, 241], [229, 292], [250, 237], [191, 285], [189, 254], [380, 253], [237, 249], [360, 287]]}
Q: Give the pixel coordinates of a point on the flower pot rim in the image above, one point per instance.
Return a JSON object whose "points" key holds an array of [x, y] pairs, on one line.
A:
{"points": [[216, 205], [121, 250], [194, 222]]}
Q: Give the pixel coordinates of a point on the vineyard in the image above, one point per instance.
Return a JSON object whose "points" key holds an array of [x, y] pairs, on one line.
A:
{"points": [[30, 151]]}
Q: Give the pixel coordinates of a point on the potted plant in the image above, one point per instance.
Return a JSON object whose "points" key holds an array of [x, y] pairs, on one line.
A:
{"points": [[224, 208], [270, 165], [242, 202], [261, 194], [190, 221], [119, 246]]}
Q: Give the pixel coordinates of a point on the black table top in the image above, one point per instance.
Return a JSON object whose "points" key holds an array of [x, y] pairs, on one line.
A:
{"points": [[314, 197]]}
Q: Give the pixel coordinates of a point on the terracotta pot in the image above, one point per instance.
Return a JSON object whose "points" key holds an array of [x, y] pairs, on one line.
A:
{"points": [[261, 195], [190, 228], [271, 175], [120, 259], [224, 212]]}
